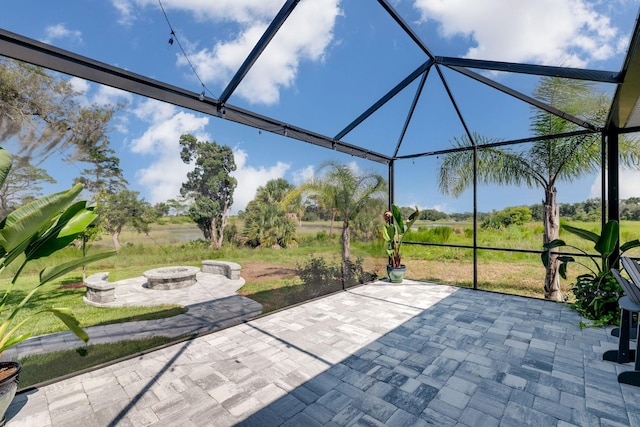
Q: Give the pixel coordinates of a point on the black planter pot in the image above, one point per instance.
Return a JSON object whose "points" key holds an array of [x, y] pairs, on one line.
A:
{"points": [[8, 386], [396, 274]]}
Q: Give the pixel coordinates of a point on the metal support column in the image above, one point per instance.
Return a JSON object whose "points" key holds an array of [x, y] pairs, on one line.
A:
{"points": [[613, 196], [603, 180], [475, 216], [391, 183]]}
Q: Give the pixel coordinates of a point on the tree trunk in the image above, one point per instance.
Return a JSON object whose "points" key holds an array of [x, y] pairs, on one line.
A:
{"points": [[333, 217], [223, 224], [214, 236], [115, 238], [217, 233], [551, 218], [346, 246]]}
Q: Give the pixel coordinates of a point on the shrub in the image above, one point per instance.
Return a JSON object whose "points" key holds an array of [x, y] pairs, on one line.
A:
{"points": [[506, 217], [597, 301]]}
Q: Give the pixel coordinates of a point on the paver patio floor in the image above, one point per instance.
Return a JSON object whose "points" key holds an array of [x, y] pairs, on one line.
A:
{"points": [[380, 354]]}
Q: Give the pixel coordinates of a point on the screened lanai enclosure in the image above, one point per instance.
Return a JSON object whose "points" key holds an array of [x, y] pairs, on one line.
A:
{"points": [[449, 129]]}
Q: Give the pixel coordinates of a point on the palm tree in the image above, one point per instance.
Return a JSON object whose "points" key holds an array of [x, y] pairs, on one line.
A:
{"points": [[266, 221], [542, 163], [348, 192]]}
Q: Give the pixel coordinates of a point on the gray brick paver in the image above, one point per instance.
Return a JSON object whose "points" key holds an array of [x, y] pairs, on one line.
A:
{"points": [[473, 417], [469, 359]]}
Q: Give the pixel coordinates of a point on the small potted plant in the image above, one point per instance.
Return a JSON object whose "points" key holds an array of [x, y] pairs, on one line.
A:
{"points": [[394, 231], [35, 231]]}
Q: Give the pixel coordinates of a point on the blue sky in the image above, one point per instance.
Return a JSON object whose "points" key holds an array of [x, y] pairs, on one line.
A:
{"points": [[327, 64]]}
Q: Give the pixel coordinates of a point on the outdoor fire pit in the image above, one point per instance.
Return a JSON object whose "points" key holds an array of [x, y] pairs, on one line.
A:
{"points": [[167, 278]]}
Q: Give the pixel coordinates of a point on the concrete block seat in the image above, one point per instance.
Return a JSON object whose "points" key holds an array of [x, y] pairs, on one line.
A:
{"points": [[230, 270], [100, 291]]}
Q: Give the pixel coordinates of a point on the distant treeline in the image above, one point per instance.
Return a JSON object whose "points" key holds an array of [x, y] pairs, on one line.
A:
{"points": [[589, 210]]}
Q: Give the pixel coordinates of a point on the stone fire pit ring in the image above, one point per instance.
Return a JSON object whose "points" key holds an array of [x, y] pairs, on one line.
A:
{"points": [[167, 278]]}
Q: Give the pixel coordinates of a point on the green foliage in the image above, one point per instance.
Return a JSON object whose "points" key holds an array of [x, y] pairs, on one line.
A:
{"points": [[439, 234], [22, 185], [589, 210], [178, 207], [344, 192], [105, 174], [597, 300], [322, 236], [266, 222], [124, 208], [232, 235], [38, 230], [506, 217], [630, 209], [394, 232], [543, 163], [209, 185], [267, 226], [42, 111], [367, 222], [597, 289], [432, 215]]}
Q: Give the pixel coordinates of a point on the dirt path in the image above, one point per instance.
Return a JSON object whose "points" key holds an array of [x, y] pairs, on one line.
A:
{"points": [[256, 271]]}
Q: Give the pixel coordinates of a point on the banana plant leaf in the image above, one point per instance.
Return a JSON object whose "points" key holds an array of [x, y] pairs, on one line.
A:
{"points": [[606, 244], [23, 223], [397, 217], [5, 164], [51, 273], [71, 224]]}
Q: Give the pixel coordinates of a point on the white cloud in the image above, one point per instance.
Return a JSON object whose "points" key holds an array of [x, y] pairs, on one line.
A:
{"points": [[125, 8], [109, 95], [304, 37], [628, 180], [166, 173], [60, 31], [154, 111], [242, 11], [250, 178], [164, 176], [553, 32], [79, 85], [303, 175], [103, 95]]}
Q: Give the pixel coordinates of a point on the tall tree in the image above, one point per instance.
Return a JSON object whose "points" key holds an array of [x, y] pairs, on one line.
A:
{"points": [[542, 164], [104, 173], [209, 185], [178, 207], [22, 185], [348, 191], [266, 221], [105, 181], [42, 112], [123, 208]]}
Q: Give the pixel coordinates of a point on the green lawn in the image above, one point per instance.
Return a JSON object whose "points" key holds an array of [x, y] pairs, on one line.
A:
{"points": [[510, 272], [498, 270], [44, 367]]}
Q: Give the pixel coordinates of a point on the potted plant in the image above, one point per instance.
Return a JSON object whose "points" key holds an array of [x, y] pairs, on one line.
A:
{"points": [[596, 292], [394, 231], [35, 231]]}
